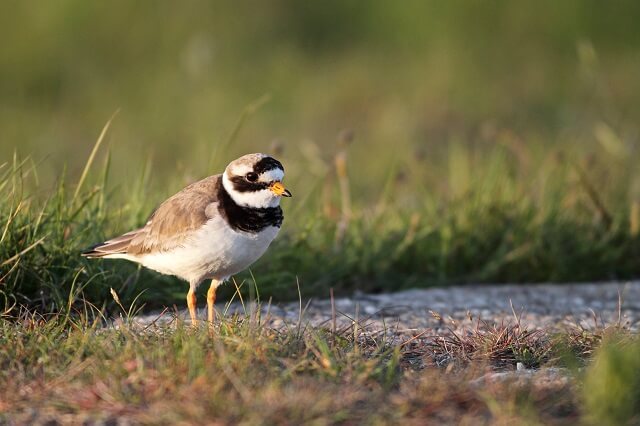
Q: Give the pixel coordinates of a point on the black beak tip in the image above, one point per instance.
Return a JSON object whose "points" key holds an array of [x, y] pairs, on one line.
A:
{"points": [[286, 193]]}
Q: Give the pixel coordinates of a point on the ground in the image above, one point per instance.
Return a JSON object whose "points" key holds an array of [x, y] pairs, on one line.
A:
{"points": [[412, 311], [510, 354]]}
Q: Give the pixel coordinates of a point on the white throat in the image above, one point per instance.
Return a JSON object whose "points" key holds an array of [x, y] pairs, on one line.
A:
{"points": [[256, 199]]}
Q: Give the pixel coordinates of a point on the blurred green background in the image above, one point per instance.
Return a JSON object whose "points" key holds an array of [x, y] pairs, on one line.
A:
{"points": [[484, 141], [406, 75]]}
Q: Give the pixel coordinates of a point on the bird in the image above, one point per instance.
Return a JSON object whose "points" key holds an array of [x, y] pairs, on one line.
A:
{"points": [[210, 230]]}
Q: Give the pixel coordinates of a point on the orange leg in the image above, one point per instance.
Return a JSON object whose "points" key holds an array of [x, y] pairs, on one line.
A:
{"points": [[191, 303], [211, 300]]}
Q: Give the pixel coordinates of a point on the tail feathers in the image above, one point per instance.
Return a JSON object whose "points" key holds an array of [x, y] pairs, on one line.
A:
{"points": [[114, 246]]}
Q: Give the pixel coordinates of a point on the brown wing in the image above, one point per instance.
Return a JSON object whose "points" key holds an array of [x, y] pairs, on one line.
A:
{"points": [[169, 225]]}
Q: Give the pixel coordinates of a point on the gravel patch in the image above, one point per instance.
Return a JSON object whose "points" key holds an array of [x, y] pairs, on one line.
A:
{"points": [[416, 316], [411, 311]]}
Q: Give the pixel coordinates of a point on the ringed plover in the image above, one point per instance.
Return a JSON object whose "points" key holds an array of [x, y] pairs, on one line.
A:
{"points": [[212, 229]]}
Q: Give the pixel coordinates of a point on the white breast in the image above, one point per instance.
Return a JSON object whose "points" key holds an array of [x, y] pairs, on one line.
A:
{"points": [[215, 251]]}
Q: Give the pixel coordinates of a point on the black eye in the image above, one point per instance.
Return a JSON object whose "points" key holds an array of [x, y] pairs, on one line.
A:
{"points": [[252, 177]]}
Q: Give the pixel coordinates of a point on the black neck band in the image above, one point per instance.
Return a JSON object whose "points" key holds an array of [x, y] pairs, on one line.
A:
{"points": [[247, 219]]}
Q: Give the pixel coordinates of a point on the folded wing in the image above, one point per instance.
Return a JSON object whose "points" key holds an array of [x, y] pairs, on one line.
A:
{"points": [[169, 225]]}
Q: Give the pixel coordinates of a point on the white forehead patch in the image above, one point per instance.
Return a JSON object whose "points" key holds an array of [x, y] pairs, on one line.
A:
{"points": [[241, 169]]}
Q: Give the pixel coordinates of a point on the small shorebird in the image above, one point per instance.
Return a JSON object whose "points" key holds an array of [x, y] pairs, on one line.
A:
{"points": [[212, 229]]}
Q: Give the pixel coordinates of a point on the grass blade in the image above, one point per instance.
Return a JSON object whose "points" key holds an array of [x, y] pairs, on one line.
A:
{"points": [[92, 156]]}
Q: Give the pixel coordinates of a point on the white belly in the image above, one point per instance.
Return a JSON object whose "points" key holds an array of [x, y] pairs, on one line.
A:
{"points": [[215, 251]]}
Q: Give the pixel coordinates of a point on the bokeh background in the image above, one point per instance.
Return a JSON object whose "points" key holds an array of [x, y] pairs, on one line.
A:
{"points": [[425, 142]]}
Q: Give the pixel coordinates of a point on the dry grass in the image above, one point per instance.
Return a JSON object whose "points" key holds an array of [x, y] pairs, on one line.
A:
{"points": [[506, 344], [68, 368], [501, 345], [581, 341]]}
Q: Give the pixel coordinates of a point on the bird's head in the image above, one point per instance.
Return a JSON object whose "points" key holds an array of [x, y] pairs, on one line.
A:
{"points": [[255, 180]]}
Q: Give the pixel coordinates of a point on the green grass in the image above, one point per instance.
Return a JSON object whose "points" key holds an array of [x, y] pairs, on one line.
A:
{"points": [[554, 223], [424, 144], [612, 387]]}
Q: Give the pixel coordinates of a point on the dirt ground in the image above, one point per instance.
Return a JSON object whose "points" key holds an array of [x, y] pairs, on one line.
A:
{"points": [[408, 312]]}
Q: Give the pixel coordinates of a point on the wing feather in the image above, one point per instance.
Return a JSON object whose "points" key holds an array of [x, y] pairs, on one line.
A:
{"points": [[169, 225]]}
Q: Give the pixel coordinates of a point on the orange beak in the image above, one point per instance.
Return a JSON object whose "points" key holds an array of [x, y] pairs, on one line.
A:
{"points": [[279, 189]]}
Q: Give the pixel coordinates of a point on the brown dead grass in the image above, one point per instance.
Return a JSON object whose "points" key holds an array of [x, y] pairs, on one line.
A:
{"points": [[70, 371]]}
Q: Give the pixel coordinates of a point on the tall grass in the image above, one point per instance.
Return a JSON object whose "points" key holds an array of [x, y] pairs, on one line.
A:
{"points": [[456, 165], [511, 216]]}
